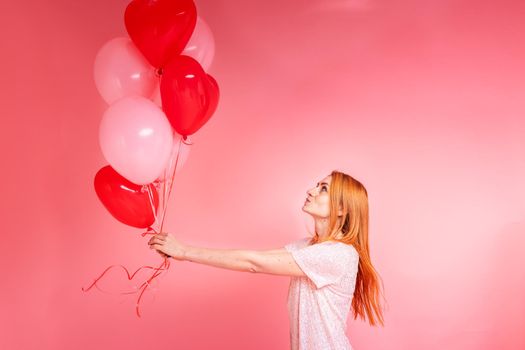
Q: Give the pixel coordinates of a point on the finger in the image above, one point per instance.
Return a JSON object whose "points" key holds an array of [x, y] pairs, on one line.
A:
{"points": [[157, 240], [156, 246]]}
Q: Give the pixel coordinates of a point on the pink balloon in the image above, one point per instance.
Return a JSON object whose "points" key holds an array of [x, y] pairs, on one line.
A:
{"points": [[183, 156], [121, 70], [136, 139], [201, 47], [155, 97]]}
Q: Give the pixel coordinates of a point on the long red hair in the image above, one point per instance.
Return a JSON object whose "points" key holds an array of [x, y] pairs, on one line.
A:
{"points": [[349, 195]]}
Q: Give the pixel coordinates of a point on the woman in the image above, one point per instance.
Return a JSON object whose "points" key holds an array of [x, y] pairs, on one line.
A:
{"points": [[329, 271]]}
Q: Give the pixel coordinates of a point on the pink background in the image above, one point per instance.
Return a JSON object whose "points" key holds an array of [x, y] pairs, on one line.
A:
{"points": [[422, 101]]}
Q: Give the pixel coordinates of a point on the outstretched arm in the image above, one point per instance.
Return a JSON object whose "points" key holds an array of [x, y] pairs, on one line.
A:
{"points": [[275, 262], [232, 259]]}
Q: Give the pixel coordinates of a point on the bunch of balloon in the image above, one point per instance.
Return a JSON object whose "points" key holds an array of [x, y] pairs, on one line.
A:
{"points": [[159, 93]]}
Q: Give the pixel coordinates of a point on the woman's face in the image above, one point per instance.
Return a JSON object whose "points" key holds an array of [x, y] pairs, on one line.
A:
{"points": [[317, 202]]}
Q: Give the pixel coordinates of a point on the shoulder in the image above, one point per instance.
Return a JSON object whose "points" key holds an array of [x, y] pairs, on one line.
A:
{"points": [[342, 248], [328, 246], [346, 246]]}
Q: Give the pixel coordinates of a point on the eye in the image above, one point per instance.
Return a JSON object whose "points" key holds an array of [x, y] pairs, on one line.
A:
{"points": [[324, 187]]}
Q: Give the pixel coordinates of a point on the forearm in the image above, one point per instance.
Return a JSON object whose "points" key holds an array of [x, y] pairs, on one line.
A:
{"points": [[232, 259]]}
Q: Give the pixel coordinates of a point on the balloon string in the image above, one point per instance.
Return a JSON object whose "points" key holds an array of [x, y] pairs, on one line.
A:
{"points": [[159, 75], [166, 196], [146, 284], [166, 262], [170, 186], [164, 188], [158, 270], [150, 231], [130, 276], [150, 196]]}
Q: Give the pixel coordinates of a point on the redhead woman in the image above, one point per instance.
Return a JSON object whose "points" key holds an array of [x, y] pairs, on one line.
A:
{"points": [[330, 272]]}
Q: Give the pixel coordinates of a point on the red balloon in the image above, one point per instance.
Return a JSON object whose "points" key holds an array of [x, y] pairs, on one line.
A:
{"points": [[160, 29], [189, 95], [126, 201]]}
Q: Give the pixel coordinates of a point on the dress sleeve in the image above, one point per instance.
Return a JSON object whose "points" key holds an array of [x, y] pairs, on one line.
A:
{"points": [[323, 263]]}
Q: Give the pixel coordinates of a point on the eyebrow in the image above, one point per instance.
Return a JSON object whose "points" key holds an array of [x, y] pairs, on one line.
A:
{"points": [[323, 183]]}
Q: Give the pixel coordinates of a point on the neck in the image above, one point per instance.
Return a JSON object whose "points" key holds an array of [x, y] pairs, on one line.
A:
{"points": [[321, 227]]}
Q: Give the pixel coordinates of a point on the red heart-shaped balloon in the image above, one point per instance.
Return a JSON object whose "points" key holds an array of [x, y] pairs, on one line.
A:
{"points": [[160, 29], [129, 203], [189, 95]]}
